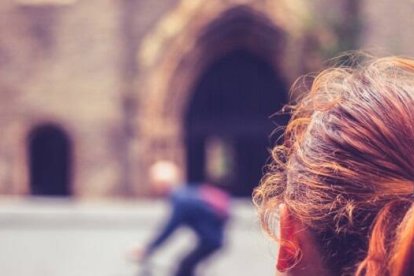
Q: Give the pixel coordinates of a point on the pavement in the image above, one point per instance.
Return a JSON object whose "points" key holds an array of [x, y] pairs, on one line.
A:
{"points": [[56, 237]]}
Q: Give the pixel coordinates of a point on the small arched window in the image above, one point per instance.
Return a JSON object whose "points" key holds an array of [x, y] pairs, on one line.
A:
{"points": [[49, 150]]}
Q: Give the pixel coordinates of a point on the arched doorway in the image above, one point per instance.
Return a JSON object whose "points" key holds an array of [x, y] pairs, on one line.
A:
{"points": [[227, 125], [173, 62], [49, 150]]}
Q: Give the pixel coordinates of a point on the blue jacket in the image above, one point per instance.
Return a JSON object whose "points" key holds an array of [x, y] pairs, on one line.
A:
{"points": [[191, 208]]}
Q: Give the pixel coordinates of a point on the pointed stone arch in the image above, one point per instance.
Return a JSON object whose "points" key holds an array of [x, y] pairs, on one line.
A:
{"points": [[190, 38]]}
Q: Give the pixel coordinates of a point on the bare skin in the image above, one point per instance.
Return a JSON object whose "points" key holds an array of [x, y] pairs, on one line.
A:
{"points": [[309, 261]]}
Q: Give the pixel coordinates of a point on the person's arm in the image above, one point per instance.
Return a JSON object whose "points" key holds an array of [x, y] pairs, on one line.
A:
{"points": [[174, 221]]}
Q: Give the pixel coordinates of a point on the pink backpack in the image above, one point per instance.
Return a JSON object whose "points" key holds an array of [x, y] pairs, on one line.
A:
{"points": [[217, 199]]}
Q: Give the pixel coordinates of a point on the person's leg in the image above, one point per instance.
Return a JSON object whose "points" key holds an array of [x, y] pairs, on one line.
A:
{"points": [[188, 265]]}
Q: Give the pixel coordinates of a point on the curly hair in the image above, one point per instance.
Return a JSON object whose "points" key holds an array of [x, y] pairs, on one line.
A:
{"points": [[346, 168]]}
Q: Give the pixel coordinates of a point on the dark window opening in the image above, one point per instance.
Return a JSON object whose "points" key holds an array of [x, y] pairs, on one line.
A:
{"points": [[49, 161]]}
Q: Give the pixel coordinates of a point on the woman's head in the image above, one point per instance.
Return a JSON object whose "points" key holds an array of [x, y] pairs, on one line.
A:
{"points": [[345, 171]]}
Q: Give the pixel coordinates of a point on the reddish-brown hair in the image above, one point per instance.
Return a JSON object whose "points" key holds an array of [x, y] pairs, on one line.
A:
{"points": [[346, 168]]}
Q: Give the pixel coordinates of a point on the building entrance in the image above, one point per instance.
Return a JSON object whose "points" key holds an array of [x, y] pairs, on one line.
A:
{"points": [[228, 122]]}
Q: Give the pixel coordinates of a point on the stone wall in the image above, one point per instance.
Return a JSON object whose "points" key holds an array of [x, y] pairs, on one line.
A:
{"points": [[102, 71], [387, 27]]}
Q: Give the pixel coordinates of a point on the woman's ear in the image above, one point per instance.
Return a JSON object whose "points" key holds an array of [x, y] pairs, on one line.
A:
{"points": [[289, 247], [298, 253]]}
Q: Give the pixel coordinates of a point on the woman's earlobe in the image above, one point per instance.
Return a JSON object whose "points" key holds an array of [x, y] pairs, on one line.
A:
{"points": [[289, 248]]}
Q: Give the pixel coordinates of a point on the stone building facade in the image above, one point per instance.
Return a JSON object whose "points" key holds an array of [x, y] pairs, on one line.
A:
{"points": [[92, 92]]}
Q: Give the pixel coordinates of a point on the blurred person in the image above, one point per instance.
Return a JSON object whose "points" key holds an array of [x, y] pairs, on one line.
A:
{"points": [[339, 194], [203, 207]]}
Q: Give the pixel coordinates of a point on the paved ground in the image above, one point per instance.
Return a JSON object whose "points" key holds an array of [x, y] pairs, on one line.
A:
{"points": [[62, 238]]}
